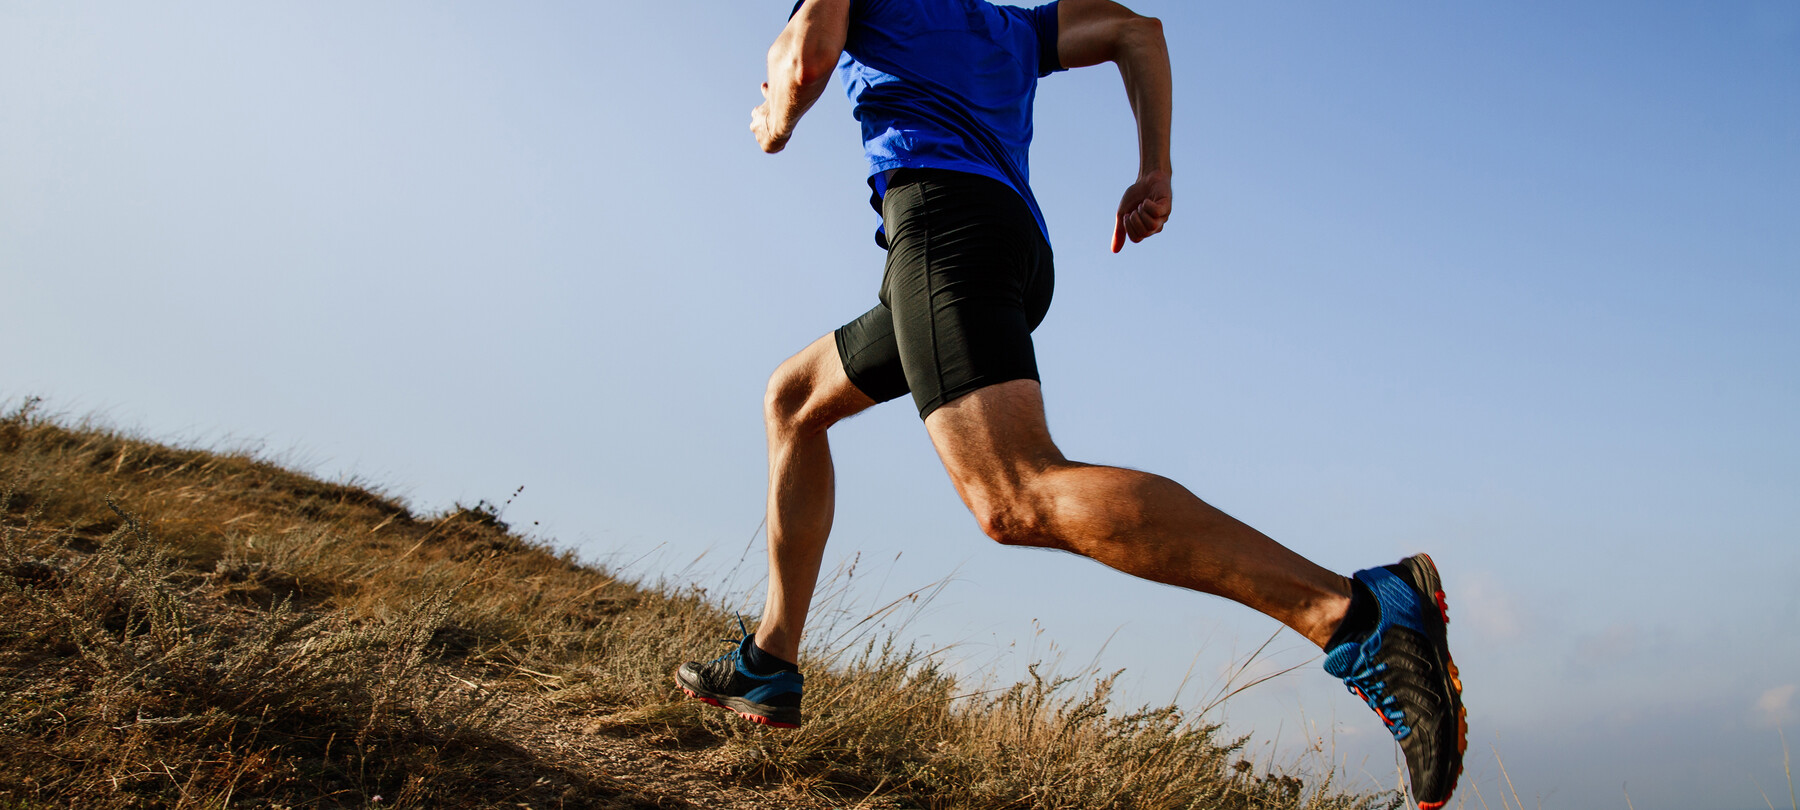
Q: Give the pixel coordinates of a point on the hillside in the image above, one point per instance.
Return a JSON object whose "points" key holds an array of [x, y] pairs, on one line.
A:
{"points": [[185, 628]]}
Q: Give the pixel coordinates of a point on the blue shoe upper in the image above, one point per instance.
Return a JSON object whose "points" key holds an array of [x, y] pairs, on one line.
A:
{"points": [[1357, 662], [780, 683], [783, 682]]}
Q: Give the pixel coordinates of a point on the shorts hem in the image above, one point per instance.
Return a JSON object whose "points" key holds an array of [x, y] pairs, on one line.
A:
{"points": [[853, 372]]}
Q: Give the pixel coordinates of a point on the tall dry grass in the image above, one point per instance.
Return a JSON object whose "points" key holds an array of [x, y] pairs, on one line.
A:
{"points": [[185, 628]]}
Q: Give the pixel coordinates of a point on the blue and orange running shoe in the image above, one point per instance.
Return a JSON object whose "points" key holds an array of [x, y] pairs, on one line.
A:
{"points": [[772, 700], [1402, 669]]}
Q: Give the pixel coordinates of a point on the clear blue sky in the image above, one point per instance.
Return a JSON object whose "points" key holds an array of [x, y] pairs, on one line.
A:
{"points": [[1511, 283]]}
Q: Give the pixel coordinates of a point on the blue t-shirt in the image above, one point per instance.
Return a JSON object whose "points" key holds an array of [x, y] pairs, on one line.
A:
{"points": [[948, 84]]}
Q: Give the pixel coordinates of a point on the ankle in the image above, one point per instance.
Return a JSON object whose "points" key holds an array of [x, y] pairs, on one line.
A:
{"points": [[1361, 614], [762, 662], [779, 644]]}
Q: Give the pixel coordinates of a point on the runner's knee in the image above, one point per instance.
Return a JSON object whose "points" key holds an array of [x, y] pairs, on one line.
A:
{"points": [[791, 402], [1012, 520], [784, 401]]}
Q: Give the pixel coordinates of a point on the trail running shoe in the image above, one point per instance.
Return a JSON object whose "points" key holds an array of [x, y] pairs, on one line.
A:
{"points": [[1402, 669], [772, 700]]}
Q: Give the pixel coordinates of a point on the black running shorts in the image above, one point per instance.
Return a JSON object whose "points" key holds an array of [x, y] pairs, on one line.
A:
{"points": [[969, 276]]}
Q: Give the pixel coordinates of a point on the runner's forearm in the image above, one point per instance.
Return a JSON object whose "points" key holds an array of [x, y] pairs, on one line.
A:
{"points": [[800, 64], [1091, 32], [796, 80], [1143, 61]]}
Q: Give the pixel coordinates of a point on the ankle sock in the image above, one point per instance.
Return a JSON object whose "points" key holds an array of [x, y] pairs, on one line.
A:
{"points": [[1363, 615], [762, 663]]}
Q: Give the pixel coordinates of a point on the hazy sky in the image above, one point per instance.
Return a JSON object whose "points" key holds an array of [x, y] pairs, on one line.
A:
{"points": [[1512, 283]]}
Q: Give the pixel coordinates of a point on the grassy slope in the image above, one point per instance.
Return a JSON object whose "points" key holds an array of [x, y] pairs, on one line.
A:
{"points": [[182, 628]]}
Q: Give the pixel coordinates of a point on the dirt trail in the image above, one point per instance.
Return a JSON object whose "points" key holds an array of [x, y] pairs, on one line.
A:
{"points": [[651, 769]]}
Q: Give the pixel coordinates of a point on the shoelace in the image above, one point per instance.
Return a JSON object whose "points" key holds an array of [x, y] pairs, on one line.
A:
{"points": [[1365, 684], [737, 644]]}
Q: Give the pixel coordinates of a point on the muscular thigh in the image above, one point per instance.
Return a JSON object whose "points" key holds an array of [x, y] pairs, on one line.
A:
{"points": [[996, 447]]}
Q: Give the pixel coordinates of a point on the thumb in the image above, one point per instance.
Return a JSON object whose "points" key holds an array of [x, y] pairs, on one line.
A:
{"points": [[1118, 234]]}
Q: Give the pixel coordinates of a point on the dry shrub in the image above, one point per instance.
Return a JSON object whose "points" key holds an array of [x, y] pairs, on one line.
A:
{"points": [[288, 657], [144, 695]]}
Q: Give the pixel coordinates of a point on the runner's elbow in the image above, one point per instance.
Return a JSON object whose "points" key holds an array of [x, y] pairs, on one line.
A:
{"points": [[814, 68], [1141, 33], [801, 64], [1097, 31]]}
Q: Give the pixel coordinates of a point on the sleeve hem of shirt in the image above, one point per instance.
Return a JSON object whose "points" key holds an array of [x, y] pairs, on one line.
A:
{"points": [[1049, 61]]}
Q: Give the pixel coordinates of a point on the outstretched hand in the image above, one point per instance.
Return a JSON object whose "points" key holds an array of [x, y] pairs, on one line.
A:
{"points": [[1143, 210]]}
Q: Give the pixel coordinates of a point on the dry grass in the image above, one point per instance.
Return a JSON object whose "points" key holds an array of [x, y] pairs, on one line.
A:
{"points": [[184, 628]]}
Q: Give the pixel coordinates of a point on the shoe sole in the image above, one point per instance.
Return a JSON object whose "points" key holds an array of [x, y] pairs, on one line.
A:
{"points": [[1425, 577], [754, 712]]}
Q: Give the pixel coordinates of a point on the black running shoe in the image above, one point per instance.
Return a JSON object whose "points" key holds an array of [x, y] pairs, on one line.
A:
{"points": [[772, 700], [1402, 669]]}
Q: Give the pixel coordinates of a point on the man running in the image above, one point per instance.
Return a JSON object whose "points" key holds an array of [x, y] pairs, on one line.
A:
{"points": [[944, 90]]}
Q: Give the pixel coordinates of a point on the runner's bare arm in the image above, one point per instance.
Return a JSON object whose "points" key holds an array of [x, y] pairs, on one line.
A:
{"points": [[800, 65], [1090, 32]]}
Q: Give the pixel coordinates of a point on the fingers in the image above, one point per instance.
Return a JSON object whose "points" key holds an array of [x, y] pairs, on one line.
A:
{"points": [[1142, 211], [1145, 222], [1156, 208], [1141, 222]]}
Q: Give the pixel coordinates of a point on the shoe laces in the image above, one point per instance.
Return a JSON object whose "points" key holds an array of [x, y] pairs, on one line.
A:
{"points": [[1369, 684], [737, 644]]}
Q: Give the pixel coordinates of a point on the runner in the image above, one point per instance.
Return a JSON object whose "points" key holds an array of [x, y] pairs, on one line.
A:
{"points": [[944, 91]]}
